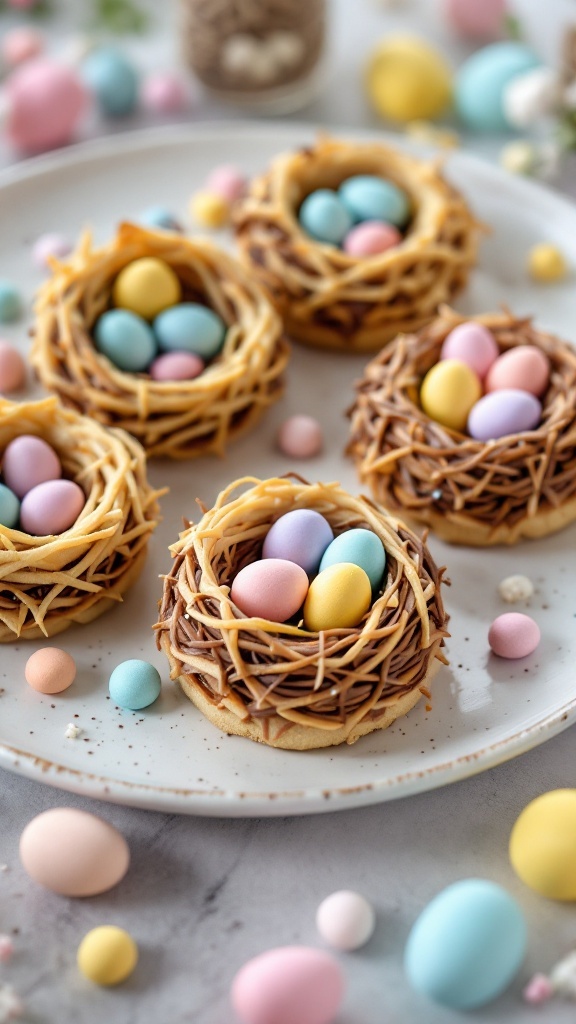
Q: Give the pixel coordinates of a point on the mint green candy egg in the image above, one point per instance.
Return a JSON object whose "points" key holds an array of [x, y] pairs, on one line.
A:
{"points": [[368, 197], [9, 507], [190, 327], [126, 339], [361, 547], [324, 216], [482, 80]]}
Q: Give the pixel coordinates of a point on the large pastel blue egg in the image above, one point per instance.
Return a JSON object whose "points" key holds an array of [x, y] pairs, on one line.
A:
{"points": [[126, 339], [10, 302], [482, 79], [159, 217], [9, 507], [190, 327], [113, 80], [135, 684], [467, 945], [300, 536], [367, 197], [324, 216], [361, 547]]}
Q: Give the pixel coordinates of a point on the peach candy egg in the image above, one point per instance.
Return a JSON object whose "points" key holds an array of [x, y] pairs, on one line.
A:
{"points": [[473, 344], [12, 368], [288, 985], [273, 589], [27, 462], [525, 367], [300, 437], [50, 670]]}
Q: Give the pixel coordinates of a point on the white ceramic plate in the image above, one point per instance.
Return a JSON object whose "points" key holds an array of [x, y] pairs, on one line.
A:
{"points": [[168, 757]]}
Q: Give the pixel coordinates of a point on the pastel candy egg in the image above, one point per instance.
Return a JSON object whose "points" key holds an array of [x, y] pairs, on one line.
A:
{"points": [[338, 598], [473, 344], [300, 536], [164, 92], [499, 413], [176, 366], [107, 955], [50, 670], [288, 985], [368, 197], [408, 80], [371, 238], [51, 508], [48, 247], [12, 368], [227, 181], [324, 217], [467, 945], [477, 21], [273, 588], [146, 287], [45, 103], [190, 327], [513, 635], [482, 79], [210, 209], [448, 393], [73, 853], [21, 44], [300, 437], [135, 684], [126, 339], [10, 302], [113, 80], [29, 461], [361, 547], [160, 217], [546, 262], [524, 367], [543, 845], [9, 508], [345, 920]]}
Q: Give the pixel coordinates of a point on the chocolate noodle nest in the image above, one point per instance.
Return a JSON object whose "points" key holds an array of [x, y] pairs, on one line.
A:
{"points": [[277, 683], [467, 491]]}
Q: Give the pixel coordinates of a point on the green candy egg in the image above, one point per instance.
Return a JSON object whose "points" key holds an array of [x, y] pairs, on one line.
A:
{"points": [[362, 548]]}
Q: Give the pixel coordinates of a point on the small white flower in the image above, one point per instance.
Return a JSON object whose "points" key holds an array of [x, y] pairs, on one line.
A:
{"points": [[515, 588], [530, 97], [519, 157], [563, 976]]}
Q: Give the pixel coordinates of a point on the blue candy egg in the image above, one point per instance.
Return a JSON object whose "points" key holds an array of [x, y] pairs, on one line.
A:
{"points": [[190, 327], [10, 302], [159, 217], [482, 79], [126, 339], [467, 945], [361, 547], [324, 216], [300, 536], [113, 79], [367, 197], [135, 684], [9, 507]]}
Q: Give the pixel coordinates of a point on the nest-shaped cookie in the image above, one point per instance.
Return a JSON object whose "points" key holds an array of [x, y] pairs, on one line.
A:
{"points": [[280, 684], [330, 299], [49, 583], [178, 419], [467, 491]]}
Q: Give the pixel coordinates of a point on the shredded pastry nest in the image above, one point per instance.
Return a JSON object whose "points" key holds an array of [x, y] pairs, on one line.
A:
{"points": [[468, 491], [48, 583], [279, 683], [178, 419], [330, 299]]}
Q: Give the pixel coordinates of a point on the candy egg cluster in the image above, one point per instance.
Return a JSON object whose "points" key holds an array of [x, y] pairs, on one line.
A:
{"points": [[306, 571], [33, 495], [151, 330], [475, 390], [365, 216]]}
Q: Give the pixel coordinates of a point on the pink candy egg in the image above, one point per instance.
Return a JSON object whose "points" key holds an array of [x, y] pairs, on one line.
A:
{"points": [[513, 635], [504, 412], [481, 20], [164, 92], [50, 246], [20, 44], [226, 181], [288, 985], [345, 919], [300, 437], [271, 589], [51, 508], [176, 366], [45, 102], [370, 238], [29, 461], [471, 343], [50, 670], [524, 367], [12, 368]]}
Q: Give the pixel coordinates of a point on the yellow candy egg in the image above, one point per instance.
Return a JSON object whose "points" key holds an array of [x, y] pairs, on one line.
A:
{"points": [[448, 392], [146, 287], [107, 955], [546, 263], [543, 845], [337, 598], [407, 80], [210, 210]]}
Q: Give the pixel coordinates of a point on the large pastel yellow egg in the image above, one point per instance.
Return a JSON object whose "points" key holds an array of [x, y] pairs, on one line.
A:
{"points": [[448, 392], [107, 955], [146, 287], [407, 80], [543, 845], [338, 598]]}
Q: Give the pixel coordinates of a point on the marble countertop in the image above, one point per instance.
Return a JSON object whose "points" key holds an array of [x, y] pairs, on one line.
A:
{"points": [[204, 895]]}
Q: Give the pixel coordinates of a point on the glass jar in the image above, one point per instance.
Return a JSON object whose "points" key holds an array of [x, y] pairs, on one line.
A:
{"points": [[261, 54]]}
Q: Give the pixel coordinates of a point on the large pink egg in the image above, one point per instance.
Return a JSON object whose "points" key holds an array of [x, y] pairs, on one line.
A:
{"points": [[288, 985], [176, 366], [45, 102], [479, 20], [27, 462], [504, 412], [370, 238], [513, 635], [525, 367], [273, 589], [51, 508], [473, 344]]}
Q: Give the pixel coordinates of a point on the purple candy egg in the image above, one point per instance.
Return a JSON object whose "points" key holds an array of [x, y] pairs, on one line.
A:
{"points": [[28, 461], [51, 508], [499, 413], [301, 536]]}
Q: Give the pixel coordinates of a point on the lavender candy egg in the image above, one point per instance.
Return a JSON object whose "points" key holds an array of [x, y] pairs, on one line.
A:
{"points": [[29, 461], [301, 536], [51, 508], [499, 413]]}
